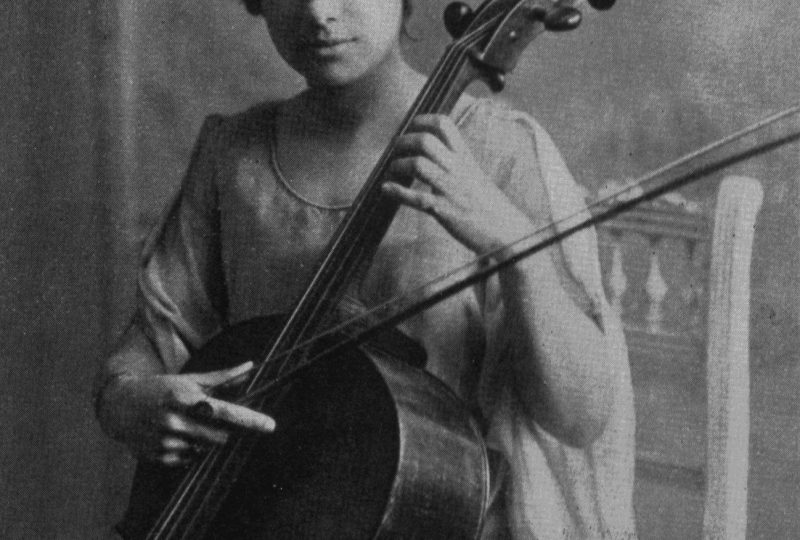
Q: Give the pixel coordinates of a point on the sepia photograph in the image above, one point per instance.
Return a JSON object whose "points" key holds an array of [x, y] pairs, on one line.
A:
{"points": [[481, 269]]}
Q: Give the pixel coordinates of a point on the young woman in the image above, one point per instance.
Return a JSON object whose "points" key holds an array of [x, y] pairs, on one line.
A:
{"points": [[535, 350]]}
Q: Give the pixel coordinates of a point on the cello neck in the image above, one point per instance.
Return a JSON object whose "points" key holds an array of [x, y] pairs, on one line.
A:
{"points": [[357, 238]]}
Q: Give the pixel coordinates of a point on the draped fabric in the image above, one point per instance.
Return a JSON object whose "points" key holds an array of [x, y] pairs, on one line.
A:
{"points": [[240, 241]]}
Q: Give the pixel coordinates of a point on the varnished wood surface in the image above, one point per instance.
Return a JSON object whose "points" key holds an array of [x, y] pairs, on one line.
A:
{"points": [[366, 446]]}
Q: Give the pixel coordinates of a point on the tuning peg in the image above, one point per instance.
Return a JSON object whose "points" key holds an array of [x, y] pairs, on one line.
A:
{"points": [[561, 19], [602, 5], [457, 18]]}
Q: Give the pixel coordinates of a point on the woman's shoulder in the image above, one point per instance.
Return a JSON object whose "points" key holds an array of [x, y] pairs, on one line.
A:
{"points": [[498, 126], [497, 113], [502, 137]]}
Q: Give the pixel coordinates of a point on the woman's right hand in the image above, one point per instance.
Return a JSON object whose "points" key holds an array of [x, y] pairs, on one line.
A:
{"points": [[156, 416]]}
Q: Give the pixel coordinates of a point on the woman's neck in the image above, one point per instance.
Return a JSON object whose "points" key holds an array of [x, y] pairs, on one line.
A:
{"points": [[369, 107]]}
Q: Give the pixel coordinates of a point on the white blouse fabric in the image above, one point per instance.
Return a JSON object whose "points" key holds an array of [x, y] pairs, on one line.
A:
{"points": [[239, 241]]}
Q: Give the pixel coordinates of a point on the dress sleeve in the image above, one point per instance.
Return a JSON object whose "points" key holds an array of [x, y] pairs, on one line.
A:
{"points": [[181, 286], [559, 203], [531, 172], [548, 489]]}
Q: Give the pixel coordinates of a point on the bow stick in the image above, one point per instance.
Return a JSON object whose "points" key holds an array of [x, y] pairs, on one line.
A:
{"points": [[669, 177]]}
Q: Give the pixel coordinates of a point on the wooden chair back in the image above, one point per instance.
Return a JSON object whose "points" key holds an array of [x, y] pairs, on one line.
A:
{"points": [[679, 275]]}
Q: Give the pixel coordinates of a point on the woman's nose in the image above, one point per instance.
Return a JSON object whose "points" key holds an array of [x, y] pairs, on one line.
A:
{"points": [[325, 10]]}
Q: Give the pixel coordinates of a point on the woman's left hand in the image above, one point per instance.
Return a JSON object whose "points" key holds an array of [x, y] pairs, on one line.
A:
{"points": [[563, 380], [461, 198]]}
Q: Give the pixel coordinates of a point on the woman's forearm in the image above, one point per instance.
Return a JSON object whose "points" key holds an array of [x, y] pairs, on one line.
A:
{"points": [[561, 366]]}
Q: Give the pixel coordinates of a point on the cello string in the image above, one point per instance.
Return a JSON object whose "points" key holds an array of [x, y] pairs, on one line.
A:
{"points": [[432, 93], [346, 246], [456, 57], [429, 102], [624, 199], [178, 507], [342, 244]]}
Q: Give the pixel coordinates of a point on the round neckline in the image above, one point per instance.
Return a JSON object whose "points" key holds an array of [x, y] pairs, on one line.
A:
{"points": [[287, 185], [284, 181]]}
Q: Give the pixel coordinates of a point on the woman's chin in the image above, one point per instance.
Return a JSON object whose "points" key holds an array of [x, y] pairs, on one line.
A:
{"points": [[332, 76]]}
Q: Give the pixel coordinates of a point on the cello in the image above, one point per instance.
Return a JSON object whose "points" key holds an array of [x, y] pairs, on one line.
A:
{"points": [[348, 410]]}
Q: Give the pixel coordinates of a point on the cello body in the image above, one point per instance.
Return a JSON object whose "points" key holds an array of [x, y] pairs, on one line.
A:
{"points": [[366, 446]]}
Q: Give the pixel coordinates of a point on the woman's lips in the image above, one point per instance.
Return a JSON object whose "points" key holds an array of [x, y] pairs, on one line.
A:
{"points": [[329, 45], [328, 42]]}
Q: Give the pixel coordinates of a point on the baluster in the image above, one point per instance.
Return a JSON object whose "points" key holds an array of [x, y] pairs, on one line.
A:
{"points": [[618, 281], [656, 289], [693, 293]]}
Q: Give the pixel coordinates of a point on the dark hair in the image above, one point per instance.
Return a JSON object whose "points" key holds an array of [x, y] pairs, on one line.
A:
{"points": [[254, 7]]}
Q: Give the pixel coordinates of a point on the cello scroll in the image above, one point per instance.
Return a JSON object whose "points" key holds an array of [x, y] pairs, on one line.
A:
{"points": [[507, 27]]}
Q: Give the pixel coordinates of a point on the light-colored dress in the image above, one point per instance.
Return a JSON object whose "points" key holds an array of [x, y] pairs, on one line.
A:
{"points": [[239, 241]]}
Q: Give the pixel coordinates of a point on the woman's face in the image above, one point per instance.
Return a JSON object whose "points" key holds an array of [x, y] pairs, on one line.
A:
{"points": [[334, 42]]}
